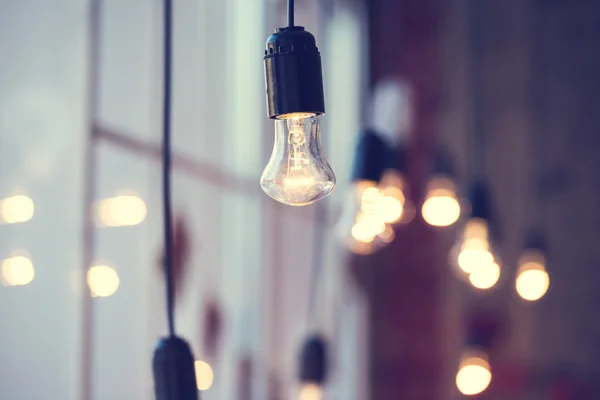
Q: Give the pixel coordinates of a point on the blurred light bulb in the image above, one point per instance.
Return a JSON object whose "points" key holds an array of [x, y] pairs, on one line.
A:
{"points": [[102, 280], [204, 375], [474, 374], [16, 209], [124, 210], [388, 235], [441, 207], [474, 249], [485, 276], [17, 271], [390, 206], [297, 173], [310, 391], [532, 279], [367, 227]]}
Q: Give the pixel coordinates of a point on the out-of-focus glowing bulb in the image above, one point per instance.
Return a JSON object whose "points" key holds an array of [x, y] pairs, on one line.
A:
{"points": [[532, 279], [475, 248], [441, 207], [16, 209], [388, 235], [474, 375], [311, 391], [17, 271], [204, 375], [125, 210], [389, 209], [297, 173], [485, 276], [102, 280], [367, 227]]}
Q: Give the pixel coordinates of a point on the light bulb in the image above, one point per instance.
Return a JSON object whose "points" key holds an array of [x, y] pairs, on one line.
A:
{"points": [[297, 173], [441, 207], [124, 210], [532, 279], [204, 375], [475, 249], [102, 280], [17, 271], [311, 391], [474, 374], [485, 276], [16, 209]]}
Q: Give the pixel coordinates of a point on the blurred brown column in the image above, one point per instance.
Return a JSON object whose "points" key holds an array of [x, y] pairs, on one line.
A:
{"points": [[404, 280]]}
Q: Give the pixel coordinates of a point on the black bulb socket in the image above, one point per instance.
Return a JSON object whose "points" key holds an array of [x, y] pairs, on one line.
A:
{"points": [[293, 73], [313, 360], [173, 368]]}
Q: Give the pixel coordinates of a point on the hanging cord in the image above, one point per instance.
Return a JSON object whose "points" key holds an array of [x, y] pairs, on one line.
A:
{"points": [[166, 154], [290, 12], [476, 147], [317, 262]]}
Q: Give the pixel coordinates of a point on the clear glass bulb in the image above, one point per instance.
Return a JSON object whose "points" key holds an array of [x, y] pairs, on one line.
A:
{"points": [[297, 173]]}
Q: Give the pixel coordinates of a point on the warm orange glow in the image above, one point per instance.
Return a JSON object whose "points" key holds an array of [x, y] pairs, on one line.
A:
{"points": [[124, 210], [474, 375], [388, 235], [532, 279], [298, 115], [102, 280], [16, 209], [473, 255], [474, 249], [389, 209], [310, 391], [204, 375], [366, 228], [17, 271], [441, 207], [485, 276]]}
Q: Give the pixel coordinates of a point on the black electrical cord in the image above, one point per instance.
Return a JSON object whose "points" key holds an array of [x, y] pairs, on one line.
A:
{"points": [[166, 171], [477, 139], [290, 12]]}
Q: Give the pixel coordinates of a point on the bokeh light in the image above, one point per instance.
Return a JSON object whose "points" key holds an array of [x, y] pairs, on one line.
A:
{"points": [[474, 251], [485, 276], [16, 209], [441, 207], [17, 271], [310, 391], [102, 280], [474, 375], [204, 375], [124, 210]]}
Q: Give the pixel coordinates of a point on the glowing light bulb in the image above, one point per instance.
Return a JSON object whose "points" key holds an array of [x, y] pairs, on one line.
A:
{"points": [[17, 271], [124, 210], [390, 206], [485, 276], [532, 279], [311, 391], [441, 207], [204, 375], [297, 173], [475, 249], [16, 209], [474, 374], [102, 280]]}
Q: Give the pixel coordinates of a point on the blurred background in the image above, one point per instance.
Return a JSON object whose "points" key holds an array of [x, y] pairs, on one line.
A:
{"points": [[505, 93]]}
